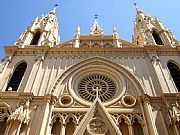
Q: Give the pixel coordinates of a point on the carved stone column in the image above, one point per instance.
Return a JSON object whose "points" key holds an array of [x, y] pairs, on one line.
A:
{"points": [[173, 113], [148, 114], [63, 129], [159, 73], [47, 111], [130, 127]]}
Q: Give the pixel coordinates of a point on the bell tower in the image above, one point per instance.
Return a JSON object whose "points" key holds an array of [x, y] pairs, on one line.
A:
{"points": [[148, 30], [43, 31]]}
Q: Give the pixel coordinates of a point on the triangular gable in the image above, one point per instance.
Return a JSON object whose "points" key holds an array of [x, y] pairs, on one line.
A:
{"points": [[97, 121]]}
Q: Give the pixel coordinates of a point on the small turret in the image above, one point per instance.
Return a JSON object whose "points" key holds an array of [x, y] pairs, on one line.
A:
{"points": [[43, 31]]}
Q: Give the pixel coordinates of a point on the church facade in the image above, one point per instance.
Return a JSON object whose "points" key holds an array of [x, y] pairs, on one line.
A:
{"points": [[93, 84]]}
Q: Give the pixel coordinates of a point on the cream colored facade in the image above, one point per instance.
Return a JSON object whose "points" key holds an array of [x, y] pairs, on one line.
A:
{"points": [[93, 84]]}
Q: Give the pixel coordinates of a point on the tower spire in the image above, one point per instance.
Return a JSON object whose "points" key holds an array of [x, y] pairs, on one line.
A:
{"points": [[96, 29], [137, 8], [43, 31]]}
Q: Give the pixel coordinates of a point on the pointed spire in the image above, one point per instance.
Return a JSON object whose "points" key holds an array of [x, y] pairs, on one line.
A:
{"points": [[115, 33], [54, 9], [96, 29], [78, 30], [114, 29], [137, 8], [77, 33]]}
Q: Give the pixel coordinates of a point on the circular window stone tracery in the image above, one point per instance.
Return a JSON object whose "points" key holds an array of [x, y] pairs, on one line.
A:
{"points": [[65, 100], [97, 127], [91, 84], [128, 101]]}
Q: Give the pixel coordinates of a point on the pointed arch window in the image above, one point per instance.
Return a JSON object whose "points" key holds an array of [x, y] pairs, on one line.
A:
{"points": [[175, 74], [36, 38], [70, 127], [5, 112], [123, 127], [137, 128], [56, 128], [157, 38], [3, 125], [17, 77]]}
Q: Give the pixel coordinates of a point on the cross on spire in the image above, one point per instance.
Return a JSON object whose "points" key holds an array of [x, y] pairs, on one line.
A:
{"points": [[96, 16], [136, 6], [56, 5]]}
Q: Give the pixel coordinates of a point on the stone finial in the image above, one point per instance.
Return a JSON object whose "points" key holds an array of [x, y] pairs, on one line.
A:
{"points": [[137, 8], [115, 33], [96, 29], [77, 33]]}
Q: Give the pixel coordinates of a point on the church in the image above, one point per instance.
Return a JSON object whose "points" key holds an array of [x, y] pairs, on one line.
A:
{"points": [[92, 84]]}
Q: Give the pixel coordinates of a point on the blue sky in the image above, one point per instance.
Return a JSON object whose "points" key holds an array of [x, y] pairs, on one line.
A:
{"points": [[16, 15]]}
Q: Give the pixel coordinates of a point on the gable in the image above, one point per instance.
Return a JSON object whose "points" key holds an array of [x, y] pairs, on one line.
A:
{"points": [[97, 121]]}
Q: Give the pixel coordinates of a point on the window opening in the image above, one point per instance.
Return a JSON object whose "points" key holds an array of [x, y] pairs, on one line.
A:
{"points": [[36, 38], [17, 77], [175, 74]]}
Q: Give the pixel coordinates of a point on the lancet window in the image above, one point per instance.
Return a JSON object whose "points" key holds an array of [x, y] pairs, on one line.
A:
{"points": [[70, 127], [56, 127], [157, 38], [35, 38], [17, 77], [123, 127], [137, 127], [4, 114], [175, 74], [65, 124]]}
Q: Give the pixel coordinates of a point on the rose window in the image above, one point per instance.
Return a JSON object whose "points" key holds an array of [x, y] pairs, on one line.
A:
{"points": [[97, 85]]}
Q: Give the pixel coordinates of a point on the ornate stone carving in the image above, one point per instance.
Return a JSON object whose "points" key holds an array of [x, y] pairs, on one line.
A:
{"points": [[173, 112], [96, 30], [22, 112], [129, 118], [97, 127], [65, 100], [3, 113], [128, 101]]}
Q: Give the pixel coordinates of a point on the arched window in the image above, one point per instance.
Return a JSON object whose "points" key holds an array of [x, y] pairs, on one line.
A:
{"points": [[36, 38], [84, 45], [175, 74], [123, 127], [157, 38], [137, 128], [56, 128], [70, 127], [96, 45], [3, 125], [5, 112], [17, 77]]}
